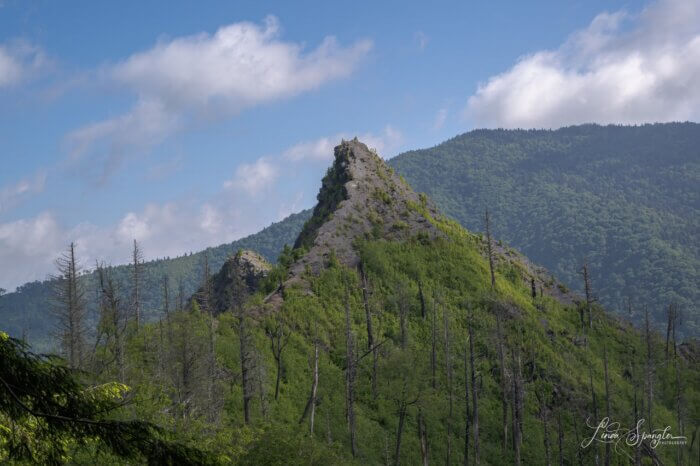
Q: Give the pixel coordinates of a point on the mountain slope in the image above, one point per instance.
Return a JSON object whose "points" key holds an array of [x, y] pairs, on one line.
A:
{"points": [[624, 198], [385, 346]]}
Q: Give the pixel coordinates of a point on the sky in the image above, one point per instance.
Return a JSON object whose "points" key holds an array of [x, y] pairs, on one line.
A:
{"points": [[186, 124]]}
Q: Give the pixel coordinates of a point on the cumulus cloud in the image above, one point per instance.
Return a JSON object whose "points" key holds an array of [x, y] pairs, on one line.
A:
{"points": [[13, 194], [253, 177], [212, 76], [171, 229], [19, 61], [622, 68]]}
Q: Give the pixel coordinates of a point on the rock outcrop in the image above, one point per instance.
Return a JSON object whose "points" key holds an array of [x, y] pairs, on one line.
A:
{"points": [[361, 197], [239, 277]]}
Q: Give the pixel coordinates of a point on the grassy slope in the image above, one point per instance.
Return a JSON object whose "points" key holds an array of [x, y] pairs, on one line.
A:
{"points": [[455, 280]]}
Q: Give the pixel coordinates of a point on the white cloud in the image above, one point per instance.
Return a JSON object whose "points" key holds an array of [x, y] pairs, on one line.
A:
{"points": [[13, 194], [19, 61], [171, 229], [440, 118], [621, 69], [254, 177], [212, 76]]}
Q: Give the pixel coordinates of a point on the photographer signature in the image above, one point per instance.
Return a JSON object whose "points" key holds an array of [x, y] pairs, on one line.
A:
{"points": [[607, 431]]}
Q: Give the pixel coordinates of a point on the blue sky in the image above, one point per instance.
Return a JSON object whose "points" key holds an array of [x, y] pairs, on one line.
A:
{"points": [[189, 124]]}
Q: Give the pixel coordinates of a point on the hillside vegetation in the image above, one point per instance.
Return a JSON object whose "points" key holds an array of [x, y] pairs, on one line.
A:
{"points": [[624, 198], [410, 346]]}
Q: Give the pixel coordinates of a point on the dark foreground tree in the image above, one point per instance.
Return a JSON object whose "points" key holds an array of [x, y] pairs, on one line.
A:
{"points": [[56, 414]]}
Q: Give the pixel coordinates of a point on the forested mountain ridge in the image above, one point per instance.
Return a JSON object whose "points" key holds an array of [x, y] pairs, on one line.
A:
{"points": [[623, 198]]}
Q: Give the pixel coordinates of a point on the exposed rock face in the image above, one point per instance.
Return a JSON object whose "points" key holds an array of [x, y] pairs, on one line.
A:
{"points": [[239, 277], [361, 197]]}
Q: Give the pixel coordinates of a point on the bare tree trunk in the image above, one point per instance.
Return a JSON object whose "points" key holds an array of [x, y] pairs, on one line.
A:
{"points": [[350, 373], [504, 390], [433, 348], [402, 418], [579, 455], [448, 369], [311, 404], [517, 407], [607, 400], [589, 293], [278, 341], [370, 331], [423, 309], [547, 448], [69, 307], [423, 438], [560, 439], [475, 396], [489, 247], [679, 403], [649, 370], [245, 357], [467, 416], [594, 406], [137, 260]]}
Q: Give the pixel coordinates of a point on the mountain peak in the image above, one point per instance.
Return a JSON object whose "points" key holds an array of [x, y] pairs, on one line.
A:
{"points": [[360, 197]]}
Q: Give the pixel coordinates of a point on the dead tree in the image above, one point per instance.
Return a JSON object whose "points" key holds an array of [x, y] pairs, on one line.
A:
{"points": [[489, 247], [607, 400], [246, 359], [467, 413], [504, 384], [136, 266], [560, 439], [112, 320], [423, 439], [544, 417], [588, 292], [448, 375], [679, 403], [69, 307], [370, 330], [349, 372], [475, 395], [403, 404], [278, 340], [637, 449], [205, 299], [594, 410], [403, 308], [672, 314], [517, 402], [310, 408], [649, 369], [421, 296], [433, 348]]}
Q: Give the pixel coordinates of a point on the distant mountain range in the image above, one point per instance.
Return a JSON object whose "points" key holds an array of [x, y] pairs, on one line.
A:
{"points": [[624, 199]]}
